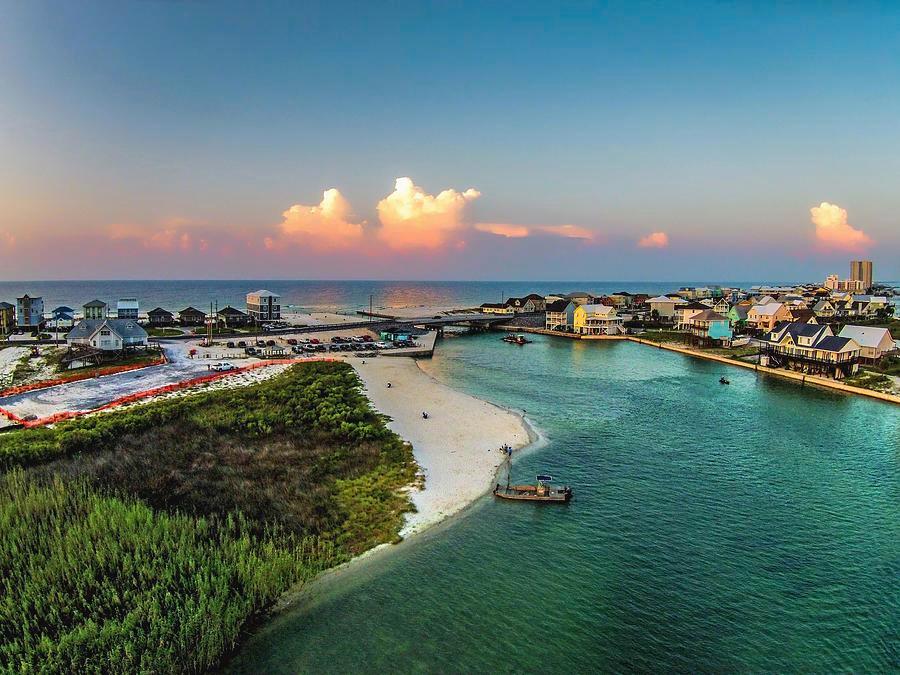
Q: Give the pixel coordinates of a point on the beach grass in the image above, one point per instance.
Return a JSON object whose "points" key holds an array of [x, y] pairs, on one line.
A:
{"points": [[149, 539]]}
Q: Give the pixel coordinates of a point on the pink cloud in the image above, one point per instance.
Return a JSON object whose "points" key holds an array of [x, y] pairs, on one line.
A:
{"points": [[413, 219], [568, 231], [654, 240], [834, 232], [323, 227], [504, 230]]}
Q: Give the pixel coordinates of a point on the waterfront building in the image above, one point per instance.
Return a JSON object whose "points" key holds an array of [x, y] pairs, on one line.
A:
{"points": [[159, 317], [873, 342], [62, 317], [496, 308], [232, 317], [764, 317], [7, 318], [128, 308], [29, 312], [527, 305], [685, 312], [711, 326], [108, 335], [596, 320], [191, 316], [737, 315], [811, 349], [664, 306], [861, 271], [560, 315], [264, 305], [95, 309]]}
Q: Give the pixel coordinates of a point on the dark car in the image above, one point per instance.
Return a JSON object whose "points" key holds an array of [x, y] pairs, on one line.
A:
{"points": [[260, 343], [250, 350], [241, 343], [270, 343], [229, 344], [291, 341]]}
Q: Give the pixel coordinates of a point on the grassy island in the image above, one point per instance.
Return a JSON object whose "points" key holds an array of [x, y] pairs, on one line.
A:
{"points": [[149, 539]]}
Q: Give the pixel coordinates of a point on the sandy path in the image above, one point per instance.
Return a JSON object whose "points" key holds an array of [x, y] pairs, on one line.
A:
{"points": [[457, 446]]}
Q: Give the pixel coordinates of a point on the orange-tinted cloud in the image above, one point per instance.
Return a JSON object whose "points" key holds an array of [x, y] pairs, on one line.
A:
{"points": [[326, 226], [511, 231], [654, 240], [504, 230], [568, 231], [411, 218], [833, 231], [175, 234]]}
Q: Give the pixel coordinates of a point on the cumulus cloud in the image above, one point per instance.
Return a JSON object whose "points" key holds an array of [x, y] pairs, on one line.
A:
{"points": [[833, 230], [325, 226], [411, 218], [654, 240]]}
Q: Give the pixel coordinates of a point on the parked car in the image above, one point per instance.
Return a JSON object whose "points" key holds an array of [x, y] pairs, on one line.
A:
{"points": [[270, 343], [241, 343], [229, 344], [260, 343], [222, 366], [250, 351], [291, 341], [314, 341]]}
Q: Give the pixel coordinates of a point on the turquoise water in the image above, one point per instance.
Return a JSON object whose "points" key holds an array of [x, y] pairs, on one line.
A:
{"points": [[754, 526]]}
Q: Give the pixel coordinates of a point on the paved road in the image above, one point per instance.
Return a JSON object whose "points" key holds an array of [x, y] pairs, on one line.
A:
{"points": [[90, 394]]}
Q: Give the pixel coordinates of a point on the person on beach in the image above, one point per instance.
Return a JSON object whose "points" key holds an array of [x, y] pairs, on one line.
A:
{"points": [[424, 415], [389, 385]]}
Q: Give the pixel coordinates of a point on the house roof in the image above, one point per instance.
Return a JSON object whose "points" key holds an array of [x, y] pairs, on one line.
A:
{"points": [[768, 309], [740, 311], [558, 305], [263, 293], [95, 303], [833, 343], [663, 298], [127, 303], [231, 311], [533, 296], [160, 310], [866, 336], [821, 304], [694, 305], [191, 310], [124, 328], [494, 305], [6, 305], [708, 315], [598, 309]]}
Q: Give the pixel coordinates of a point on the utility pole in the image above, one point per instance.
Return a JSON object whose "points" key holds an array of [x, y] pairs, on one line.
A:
{"points": [[371, 300]]}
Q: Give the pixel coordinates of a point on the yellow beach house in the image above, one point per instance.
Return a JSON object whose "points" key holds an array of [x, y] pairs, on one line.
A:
{"points": [[597, 320]]}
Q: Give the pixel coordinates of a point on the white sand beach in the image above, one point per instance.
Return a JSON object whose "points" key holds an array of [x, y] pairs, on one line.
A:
{"points": [[457, 447]]}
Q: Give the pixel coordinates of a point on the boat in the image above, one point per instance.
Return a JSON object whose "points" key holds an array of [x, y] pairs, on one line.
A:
{"points": [[724, 380], [516, 339], [542, 491]]}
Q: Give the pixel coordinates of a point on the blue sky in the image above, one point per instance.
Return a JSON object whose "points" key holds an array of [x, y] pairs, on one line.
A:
{"points": [[173, 136]]}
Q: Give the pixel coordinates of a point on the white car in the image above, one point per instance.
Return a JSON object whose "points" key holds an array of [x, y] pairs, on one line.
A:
{"points": [[223, 366]]}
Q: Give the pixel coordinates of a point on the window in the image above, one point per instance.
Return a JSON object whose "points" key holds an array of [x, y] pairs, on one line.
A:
{"points": [[104, 332]]}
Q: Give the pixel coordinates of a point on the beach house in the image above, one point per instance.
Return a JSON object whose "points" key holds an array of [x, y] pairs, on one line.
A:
{"points": [[62, 317], [263, 305], [596, 320], [560, 315], [685, 312], [809, 348], [128, 308], [191, 316], [873, 342], [232, 317], [764, 317], [159, 317], [29, 312], [663, 306], [824, 309], [95, 309], [711, 326], [7, 318], [108, 335]]}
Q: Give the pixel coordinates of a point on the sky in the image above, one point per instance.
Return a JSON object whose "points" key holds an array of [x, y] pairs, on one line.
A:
{"points": [[448, 140]]}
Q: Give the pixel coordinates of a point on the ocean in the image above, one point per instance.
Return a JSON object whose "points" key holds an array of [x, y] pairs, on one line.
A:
{"points": [[317, 296], [749, 528]]}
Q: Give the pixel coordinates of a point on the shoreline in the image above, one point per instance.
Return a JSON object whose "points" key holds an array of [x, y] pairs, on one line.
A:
{"points": [[802, 378]]}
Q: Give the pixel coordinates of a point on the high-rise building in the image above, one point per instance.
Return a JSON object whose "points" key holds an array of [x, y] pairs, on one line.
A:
{"points": [[861, 270]]}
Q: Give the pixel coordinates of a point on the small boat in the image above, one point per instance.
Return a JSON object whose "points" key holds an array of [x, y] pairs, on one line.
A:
{"points": [[540, 492], [516, 339], [724, 380]]}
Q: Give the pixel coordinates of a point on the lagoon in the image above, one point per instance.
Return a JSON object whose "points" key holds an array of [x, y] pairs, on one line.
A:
{"points": [[745, 527]]}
